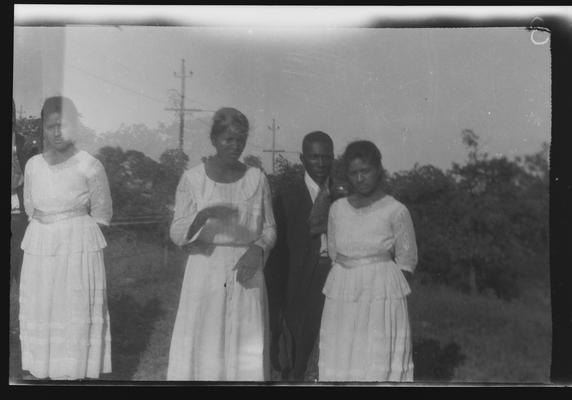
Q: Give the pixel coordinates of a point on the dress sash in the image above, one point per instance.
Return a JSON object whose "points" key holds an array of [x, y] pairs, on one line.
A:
{"points": [[354, 262], [50, 218]]}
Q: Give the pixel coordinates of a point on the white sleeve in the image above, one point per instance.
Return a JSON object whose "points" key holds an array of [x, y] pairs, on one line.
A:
{"points": [[28, 203], [405, 243], [267, 237], [331, 234], [185, 212], [101, 206]]}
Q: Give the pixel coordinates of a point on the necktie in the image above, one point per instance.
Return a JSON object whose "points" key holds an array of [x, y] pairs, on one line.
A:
{"points": [[318, 219]]}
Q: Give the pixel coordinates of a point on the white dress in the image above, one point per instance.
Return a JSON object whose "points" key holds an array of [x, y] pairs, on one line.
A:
{"points": [[365, 332], [64, 321], [221, 328]]}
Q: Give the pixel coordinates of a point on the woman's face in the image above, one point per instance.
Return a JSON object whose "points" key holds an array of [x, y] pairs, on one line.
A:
{"points": [[363, 176], [59, 131], [229, 144]]}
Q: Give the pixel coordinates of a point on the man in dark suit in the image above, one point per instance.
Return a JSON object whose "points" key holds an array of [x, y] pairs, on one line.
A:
{"points": [[299, 264]]}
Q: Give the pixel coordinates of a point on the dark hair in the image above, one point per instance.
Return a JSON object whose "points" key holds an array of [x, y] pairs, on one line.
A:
{"points": [[317, 136], [364, 150], [57, 104], [229, 118]]}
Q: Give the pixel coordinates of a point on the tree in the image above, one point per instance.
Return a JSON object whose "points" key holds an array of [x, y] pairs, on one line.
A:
{"points": [[132, 179], [534, 184], [253, 161], [287, 174], [150, 141], [173, 163], [481, 231], [428, 192], [31, 129]]}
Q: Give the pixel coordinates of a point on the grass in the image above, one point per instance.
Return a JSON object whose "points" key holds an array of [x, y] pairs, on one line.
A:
{"points": [[457, 337], [500, 341]]}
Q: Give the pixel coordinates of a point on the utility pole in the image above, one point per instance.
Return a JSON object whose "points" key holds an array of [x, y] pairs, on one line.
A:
{"points": [[273, 128], [181, 109]]}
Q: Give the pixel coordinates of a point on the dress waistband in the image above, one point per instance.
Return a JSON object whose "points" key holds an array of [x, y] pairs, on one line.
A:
{"points": [[228, 244], [50, 218], [354, 262]]}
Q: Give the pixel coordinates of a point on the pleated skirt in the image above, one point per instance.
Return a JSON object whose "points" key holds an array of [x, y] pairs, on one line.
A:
{"points": [[64, 320], [221, 328], [365, 341]]}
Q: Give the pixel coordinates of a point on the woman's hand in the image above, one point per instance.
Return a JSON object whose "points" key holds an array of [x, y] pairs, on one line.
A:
{"points": [[219, 211], [249, 264]]}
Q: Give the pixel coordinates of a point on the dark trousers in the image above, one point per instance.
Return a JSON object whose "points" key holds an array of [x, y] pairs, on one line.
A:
{"points": [[18, 224], [305, 333]]}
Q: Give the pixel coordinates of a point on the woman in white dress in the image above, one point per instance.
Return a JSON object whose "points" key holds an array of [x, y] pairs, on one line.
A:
{"points": [[365, 333], [64, 321], [223, 219]]}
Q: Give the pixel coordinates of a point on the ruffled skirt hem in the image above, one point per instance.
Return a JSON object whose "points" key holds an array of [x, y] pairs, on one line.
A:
{"points": [[64, 320]]}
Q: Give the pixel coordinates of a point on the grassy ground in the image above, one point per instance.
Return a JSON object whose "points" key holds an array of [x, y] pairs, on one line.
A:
{"points": [[499, 341], [457, 337]]}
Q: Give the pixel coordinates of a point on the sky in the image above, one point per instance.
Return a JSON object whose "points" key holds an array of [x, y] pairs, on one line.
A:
{"points": [[412, 91]]}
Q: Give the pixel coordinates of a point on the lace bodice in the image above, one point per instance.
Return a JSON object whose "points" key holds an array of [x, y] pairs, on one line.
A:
{"points": [[370, 247], [384, 227], [76, 190], [78, 182], [251, 195]]}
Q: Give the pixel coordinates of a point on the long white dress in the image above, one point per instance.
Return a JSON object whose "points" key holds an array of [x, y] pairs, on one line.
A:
{"points": [[221, 328], [365, 333], [64, 321]]}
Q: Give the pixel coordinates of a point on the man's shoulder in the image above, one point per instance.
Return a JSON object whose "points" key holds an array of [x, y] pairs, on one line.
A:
{"points": [[292, 191]]}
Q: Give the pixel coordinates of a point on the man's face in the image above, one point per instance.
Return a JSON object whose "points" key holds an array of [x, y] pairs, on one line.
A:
{"points": [[317, 158]]}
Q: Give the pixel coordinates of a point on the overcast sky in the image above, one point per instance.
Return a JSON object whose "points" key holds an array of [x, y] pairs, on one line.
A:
{"points": [[412, 91]]}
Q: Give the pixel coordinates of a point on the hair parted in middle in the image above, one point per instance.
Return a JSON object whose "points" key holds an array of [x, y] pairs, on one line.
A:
{"points": [[228, 118], [58, 104], [364, 150]]}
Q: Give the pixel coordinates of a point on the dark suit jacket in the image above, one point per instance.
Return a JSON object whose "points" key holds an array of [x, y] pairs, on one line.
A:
{"points": [[293, 278], [295, 251]]}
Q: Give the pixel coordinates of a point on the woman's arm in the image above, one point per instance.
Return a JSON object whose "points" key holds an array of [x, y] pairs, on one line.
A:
{"points": [[331, 235], [257, 254], [267, 237], [28, 203], [101, 206], [405, 243], [185, 223]]}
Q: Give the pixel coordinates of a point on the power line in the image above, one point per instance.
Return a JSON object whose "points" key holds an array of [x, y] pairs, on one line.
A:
{"points": [[181, 110], [273, 128], [116, 84]]}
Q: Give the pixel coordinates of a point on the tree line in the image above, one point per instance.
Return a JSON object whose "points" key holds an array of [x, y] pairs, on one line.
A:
{"points": [[468, 219]]}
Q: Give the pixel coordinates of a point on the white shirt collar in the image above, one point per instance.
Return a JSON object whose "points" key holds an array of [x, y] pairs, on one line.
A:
{"points": [[312, 185]]}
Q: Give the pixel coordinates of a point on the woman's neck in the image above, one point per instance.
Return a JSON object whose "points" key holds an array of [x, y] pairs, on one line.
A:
{"points": [[221, 170], [359, 200], [54, 156]]}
